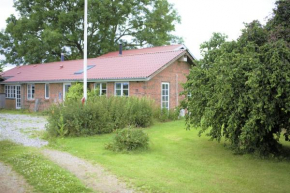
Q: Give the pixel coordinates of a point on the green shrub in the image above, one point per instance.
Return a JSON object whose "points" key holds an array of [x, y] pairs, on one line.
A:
{"points": [[164, 114], [129, 140], [79, 119], [140, 112], [99, 115]]}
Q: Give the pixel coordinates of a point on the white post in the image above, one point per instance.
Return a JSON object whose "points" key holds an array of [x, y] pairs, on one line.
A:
{"points": [[85, 50]]}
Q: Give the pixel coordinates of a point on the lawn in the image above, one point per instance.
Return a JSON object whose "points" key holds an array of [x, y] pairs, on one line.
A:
{"points": [[39, 172], [180, 161]]}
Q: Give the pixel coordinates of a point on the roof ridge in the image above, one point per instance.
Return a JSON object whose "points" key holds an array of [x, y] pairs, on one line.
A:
{"points": [[149, 47], [129, 55]]}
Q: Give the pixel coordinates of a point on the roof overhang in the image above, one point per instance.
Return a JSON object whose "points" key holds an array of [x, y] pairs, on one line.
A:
{"points": [[78, 80]]}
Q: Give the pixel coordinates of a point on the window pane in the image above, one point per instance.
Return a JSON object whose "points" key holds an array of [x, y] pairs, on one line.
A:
{"points": [[32, 95], [14, 91], [104, 86], [118, 85], [164, 98], [125, 86], [118, 92], [97, 86], [125, 93], [67, 88], [163, 104], [47, 90]]}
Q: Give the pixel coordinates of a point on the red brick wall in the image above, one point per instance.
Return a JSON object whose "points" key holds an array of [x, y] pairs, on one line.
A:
{"points": [[10, 104], [110, 88], [54, 90], [2, 88], [175, 74]]}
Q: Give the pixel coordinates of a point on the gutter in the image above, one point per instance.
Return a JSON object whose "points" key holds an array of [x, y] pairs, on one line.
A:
{"points": [[79, 80]]}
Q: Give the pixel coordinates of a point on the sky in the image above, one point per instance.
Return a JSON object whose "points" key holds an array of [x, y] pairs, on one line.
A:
{"points": [[199, 18]]}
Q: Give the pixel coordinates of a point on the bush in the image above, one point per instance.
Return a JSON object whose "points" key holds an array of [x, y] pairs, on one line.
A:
{"points": [[129, 140], [100, 115], [74, 119], [164, 114]]}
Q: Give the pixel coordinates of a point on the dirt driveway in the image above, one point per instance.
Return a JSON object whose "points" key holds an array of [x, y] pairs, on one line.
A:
{"points": [[20, 129]]}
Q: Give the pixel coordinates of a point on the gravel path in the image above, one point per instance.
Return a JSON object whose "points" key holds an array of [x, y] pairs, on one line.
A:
{"points": [[11, 182], [19, 129], [94, 176]]}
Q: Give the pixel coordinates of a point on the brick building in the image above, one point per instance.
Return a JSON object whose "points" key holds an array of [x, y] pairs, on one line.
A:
{"points": [[156, 72]]}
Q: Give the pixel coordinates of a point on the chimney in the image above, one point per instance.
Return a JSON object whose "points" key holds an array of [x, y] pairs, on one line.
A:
{"points": [[120, 49], [62, 57]]}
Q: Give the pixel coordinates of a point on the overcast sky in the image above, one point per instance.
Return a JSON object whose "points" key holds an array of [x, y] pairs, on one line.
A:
{"points": [[200, 18]]}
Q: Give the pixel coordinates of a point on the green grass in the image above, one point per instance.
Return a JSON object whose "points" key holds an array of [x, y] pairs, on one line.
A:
{"points": [[42, 174], [23, 112], [16, 111], [180, 161]]}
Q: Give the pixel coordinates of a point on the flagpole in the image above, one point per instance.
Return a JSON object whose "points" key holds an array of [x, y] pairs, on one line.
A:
{"points": [[85, 50]]}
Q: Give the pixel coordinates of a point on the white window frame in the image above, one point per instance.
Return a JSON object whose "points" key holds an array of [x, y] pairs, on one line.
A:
{"points": [[45, 90], [101, 87], [18, 97], [30, 91], [168, 102], [122, 89], [63, 91], [10, 92]]}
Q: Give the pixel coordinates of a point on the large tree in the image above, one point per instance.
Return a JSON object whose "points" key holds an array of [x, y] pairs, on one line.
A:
{"points": [[240, 89], [45, 29]]}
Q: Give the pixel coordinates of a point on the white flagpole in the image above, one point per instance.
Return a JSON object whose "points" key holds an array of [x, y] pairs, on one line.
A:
{"points": [[85, 50]]}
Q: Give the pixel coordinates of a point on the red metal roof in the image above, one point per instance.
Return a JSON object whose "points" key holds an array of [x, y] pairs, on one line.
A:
{"points": [[139, 64], [144, 50]]}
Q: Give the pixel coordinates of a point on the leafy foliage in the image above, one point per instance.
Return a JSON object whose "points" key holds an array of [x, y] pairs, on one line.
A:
{"points": [[129, 140], [45, 29], [279, 25], [164, 114], [240, 90], [99, 115]]}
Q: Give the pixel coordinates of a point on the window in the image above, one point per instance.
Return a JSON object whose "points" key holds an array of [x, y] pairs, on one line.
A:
{"points": [[10, 91], [66, 87], [122, 89], [165, 95], [46, 94], [30, 91], [102, 87]]}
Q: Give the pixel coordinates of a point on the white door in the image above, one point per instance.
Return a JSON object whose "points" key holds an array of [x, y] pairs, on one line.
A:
{"points": [[165, 95], [65, 89], [18, 96]]}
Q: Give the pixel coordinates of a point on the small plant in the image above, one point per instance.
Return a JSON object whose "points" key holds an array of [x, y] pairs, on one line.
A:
{"points": [[61, 127], [129, 140]]}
